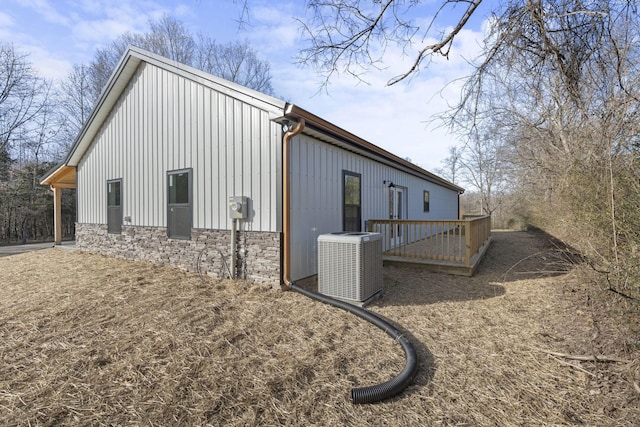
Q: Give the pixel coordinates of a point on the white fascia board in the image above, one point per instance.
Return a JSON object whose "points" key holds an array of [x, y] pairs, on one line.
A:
{"points": [[109, 96]]}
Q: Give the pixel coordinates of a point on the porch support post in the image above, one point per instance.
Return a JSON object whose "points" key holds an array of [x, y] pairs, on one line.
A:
{"points": [[57, 214]]}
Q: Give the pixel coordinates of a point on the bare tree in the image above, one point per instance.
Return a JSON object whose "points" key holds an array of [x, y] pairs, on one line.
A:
{"points": [[28, 130], [236, 62], [169, 37], [451, 165], [39, 135], [76, 102], [484, 166], [349, 36], [561, 80], [20, 99]]}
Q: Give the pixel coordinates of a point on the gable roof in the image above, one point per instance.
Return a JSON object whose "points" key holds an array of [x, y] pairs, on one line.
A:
{"points": [[278, 110], [124, 72]]}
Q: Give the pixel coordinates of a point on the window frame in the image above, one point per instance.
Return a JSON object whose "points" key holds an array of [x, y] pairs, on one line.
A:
{"points": [[117, 227], [426, 199], [345, 174], [171, 233]]}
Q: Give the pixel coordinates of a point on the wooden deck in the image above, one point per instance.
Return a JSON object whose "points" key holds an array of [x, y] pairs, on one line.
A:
{"points": [[454, 247]]}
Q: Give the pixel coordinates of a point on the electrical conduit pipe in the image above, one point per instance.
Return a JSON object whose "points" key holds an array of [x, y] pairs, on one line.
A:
{"points": [[369, 394]]}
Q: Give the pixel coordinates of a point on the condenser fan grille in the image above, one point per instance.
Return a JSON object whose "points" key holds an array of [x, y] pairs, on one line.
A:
{"points": [[350, 265]]}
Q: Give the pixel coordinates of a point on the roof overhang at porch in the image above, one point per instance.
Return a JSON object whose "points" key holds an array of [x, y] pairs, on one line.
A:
{"points": [[62, 177]]}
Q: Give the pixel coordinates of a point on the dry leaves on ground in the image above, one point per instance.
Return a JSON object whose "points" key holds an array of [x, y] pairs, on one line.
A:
{"points": [[92, 340]]}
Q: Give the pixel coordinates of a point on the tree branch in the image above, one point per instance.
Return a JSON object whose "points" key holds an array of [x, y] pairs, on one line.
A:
{"points": [[437, 47]]}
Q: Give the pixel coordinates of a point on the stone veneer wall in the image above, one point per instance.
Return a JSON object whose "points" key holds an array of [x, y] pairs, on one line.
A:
{"points": [[258, 252]]}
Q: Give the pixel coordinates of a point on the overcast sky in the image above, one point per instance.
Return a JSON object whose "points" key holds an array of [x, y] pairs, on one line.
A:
{"points": [[60, 33]]}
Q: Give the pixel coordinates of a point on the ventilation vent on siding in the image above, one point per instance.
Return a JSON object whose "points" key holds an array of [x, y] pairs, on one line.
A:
{"points": [[350, 265]]}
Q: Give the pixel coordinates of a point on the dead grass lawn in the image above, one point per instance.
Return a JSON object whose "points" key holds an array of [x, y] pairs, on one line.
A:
{"points": [[91, 340]]}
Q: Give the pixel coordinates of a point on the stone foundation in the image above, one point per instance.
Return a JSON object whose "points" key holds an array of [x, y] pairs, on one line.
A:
{"points": [[257, 260]]}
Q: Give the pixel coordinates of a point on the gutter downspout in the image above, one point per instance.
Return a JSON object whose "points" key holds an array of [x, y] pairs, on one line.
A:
{"points": [[286, 204]]}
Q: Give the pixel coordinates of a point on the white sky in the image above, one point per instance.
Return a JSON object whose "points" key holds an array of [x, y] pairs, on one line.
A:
{"points": [[60, 33]]}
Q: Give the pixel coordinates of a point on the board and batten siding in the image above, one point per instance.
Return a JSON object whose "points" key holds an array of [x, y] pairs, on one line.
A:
{"points": [[164, 122], [316, 198]]}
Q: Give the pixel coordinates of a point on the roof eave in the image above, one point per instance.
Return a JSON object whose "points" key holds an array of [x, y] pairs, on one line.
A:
{"points": [[294, 112], [61, 176]]}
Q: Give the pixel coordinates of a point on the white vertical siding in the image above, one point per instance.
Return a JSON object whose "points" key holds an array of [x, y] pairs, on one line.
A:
{"points": [[316, 198], [165, 122]]}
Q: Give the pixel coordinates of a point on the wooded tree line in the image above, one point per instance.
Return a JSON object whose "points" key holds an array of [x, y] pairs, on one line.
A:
{"points": [[29, 132], [40, 119], [550, 115], [551, 118]]}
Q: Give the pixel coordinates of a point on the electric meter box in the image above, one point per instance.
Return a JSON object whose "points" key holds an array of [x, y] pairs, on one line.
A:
{"points": [[238, 207]]}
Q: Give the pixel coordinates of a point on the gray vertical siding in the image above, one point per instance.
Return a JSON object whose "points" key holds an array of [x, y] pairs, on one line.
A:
{"points": [[158, 116], [316, 199], [164, 121]]}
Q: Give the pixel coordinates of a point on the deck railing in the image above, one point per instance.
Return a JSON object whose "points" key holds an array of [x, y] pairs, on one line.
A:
{"points": [[452, 240]]}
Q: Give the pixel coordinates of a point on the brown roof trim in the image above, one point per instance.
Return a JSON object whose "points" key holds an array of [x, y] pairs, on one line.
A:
{"points": [[294, 112]]}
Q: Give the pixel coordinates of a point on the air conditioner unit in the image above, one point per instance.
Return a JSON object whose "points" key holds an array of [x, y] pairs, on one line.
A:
{"points": [[350, 265]]}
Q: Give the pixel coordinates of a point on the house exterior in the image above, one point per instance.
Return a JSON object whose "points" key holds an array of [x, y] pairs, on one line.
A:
{"points": [[174, 162]]}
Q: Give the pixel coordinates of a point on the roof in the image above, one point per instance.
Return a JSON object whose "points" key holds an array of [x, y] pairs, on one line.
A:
{"points": [[330, 133], [279, 110], [61, 176]]}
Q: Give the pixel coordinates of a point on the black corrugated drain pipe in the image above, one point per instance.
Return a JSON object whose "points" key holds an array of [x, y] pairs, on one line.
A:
{"points": [[374, 393]]}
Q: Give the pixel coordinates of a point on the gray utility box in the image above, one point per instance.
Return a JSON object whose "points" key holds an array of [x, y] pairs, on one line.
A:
{"points": [[350, 265], [238, 207]]}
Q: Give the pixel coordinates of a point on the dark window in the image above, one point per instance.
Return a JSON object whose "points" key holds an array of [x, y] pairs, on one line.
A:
{"points": [[179, 204], [352, 206], [426, 201], [114, 206]]}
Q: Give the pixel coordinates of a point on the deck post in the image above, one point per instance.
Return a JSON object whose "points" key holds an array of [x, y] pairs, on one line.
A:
{"points": [[467, 243]]}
